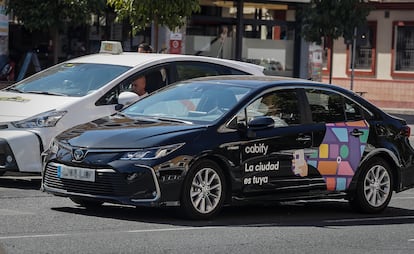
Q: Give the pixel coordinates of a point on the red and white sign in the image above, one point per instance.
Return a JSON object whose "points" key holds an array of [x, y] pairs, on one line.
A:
{"points": [[175, 43]]}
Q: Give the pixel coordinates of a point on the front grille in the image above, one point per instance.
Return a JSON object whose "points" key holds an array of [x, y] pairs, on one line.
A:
{"points": [[106, 183], [2, 160]]}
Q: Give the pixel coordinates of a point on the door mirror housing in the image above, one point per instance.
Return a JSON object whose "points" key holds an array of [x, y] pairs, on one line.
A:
{"points": [[126, 98], [262, 122]]}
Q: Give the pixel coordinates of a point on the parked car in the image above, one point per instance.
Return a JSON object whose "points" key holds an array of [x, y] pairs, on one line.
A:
{"points": [[204, 143], [36, 109]]}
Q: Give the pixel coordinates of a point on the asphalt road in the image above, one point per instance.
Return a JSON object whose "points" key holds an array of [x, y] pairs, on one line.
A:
{"points": [[35, 222]]}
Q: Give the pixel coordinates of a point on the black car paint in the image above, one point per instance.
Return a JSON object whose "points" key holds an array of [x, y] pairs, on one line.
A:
{"points": [[171, 170]]}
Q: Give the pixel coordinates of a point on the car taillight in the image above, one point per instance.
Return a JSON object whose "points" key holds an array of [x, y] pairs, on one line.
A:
{"points": [[405, 131]]}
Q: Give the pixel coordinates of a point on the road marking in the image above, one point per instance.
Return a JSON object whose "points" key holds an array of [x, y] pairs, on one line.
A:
{"points": [[31, 236], [197, 228], [129, 231]]}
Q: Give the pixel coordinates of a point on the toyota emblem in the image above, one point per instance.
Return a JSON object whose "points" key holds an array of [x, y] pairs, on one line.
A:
{"points": [[78, 154]]}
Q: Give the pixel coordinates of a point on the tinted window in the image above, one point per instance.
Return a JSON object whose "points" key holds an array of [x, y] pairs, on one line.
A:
{"points": [[352, 111], [190, 70], [330, 107]]}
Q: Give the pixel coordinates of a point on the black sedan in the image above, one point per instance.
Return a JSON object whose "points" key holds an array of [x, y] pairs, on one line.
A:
{"points": [[205, 143]]}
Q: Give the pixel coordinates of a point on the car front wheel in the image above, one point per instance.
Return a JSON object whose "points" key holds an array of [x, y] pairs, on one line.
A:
{"points": [[374, 188], [203, 191]]}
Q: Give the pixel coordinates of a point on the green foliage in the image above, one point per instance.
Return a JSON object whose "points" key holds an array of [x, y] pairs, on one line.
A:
{"points": [[44, 14], [141, 13], [332, 19]]}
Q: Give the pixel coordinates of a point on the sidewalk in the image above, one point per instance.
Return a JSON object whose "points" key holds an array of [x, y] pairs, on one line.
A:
{"points": [[399, 111]]}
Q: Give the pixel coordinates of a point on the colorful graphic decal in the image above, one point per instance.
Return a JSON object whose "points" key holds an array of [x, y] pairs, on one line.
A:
{"points": [[338, 156], [300, 167]]}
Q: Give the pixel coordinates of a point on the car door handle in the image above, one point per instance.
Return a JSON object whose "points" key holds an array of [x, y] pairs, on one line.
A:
{"points": [[357, 133], [303, 138]]}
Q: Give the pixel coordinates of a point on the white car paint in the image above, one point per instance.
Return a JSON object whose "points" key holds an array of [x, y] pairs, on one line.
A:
{"points": [[27, 144]]}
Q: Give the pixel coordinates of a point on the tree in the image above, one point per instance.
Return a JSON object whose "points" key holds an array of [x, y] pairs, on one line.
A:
{"points": [[141, 13], [51, 15], [330, 19]]}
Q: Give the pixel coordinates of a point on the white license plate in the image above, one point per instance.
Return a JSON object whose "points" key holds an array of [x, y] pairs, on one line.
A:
{"points": [[82, 174]]}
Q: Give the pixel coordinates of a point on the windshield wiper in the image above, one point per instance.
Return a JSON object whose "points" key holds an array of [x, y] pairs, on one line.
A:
{"points": [[175, 120], [47, 93], [14, 90]]}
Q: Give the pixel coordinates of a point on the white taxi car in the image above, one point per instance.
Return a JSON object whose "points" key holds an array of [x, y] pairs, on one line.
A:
{"points": [[35, 110]]}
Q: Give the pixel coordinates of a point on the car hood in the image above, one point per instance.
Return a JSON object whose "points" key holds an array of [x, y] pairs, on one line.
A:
{"points": [[19, 106], [123, 133]]}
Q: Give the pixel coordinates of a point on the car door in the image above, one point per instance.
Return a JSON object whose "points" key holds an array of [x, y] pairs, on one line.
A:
{"points": [[340, 135], [273, 156]]}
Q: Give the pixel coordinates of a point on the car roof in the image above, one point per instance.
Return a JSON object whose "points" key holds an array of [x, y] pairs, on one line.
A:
{"points": [[133, 59], [260, 81], [264, 82]]}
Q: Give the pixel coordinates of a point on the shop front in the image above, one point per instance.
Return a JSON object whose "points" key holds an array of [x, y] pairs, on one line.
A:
{"points": [[262, 32]]}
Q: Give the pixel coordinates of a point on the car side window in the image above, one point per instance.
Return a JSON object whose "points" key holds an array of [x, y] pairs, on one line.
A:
{"points": [[282, 106], [330, 107], [352, 111], [188, 70], [156, 78]]}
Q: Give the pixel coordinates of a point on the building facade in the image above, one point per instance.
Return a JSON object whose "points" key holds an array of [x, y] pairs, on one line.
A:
{"points": [[383, 70], [266, 32]]}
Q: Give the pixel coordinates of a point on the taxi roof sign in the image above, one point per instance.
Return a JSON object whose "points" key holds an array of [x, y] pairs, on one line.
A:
{"points": [[111, 47]]}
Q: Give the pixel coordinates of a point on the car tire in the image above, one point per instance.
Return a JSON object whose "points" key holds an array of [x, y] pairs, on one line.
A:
{"points": [[374, 188], [90, 204], [204, 191]]}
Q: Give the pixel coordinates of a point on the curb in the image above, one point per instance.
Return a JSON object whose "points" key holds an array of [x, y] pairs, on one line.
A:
{"points": [[402, 111]]}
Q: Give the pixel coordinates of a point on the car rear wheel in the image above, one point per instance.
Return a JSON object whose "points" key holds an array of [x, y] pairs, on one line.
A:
{"points": [[203, 191], [90, 204], [374, 188]]}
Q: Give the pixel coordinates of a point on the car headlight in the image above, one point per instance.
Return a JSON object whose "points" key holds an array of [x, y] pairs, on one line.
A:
{"points": [[151, 153], [54, 146], [46, 119]]}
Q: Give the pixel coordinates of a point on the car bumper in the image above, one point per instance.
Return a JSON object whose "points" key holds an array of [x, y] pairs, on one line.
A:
{"points": [[108, 186], [20, 151]]}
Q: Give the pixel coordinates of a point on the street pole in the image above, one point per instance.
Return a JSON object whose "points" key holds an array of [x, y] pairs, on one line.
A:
{"points": [[354, 39]]}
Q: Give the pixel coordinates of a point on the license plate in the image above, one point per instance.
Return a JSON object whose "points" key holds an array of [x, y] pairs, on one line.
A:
{"points": [[82, 174]]}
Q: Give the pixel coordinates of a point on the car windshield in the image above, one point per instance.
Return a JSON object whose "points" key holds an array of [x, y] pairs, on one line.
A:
{"points": [[193, 102], [70, 79]]}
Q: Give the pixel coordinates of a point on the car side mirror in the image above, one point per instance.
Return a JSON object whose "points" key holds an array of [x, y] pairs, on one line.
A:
{"points": [[126, 98], [262, 122], [259, 123]]}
